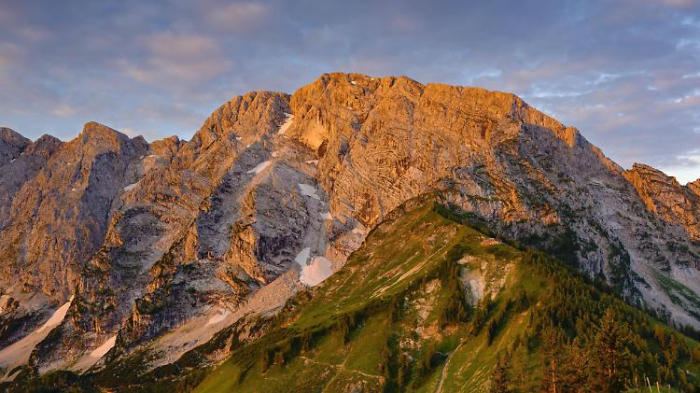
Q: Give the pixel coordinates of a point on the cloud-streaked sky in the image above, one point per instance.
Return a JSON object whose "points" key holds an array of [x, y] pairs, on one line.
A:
{"points": [[625, 72]]}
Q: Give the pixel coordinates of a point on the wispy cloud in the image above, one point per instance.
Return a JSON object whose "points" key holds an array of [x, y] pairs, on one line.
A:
{"points": [[238, 16], [63, 111], [178, 60], [624, 72]]}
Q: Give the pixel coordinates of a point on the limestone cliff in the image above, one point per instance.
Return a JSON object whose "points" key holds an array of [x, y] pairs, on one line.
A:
{"points": [[664, 196], [11, 145], [162, 245]]}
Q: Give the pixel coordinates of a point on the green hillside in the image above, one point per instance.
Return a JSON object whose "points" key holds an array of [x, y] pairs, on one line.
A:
{"points": [[430, 304]]}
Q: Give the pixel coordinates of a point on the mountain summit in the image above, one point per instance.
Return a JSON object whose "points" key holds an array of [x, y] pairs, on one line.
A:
{"points": [[119, 252]]}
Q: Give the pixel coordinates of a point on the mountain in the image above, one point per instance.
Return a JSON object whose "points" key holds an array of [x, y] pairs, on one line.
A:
{"points": [[397, 317], [12, 145], [133, 259]]}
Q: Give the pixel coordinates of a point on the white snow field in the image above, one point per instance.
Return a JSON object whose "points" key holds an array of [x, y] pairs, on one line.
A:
{"points": [[287, 123], [260, 167], [308, 190], [18, 353]]}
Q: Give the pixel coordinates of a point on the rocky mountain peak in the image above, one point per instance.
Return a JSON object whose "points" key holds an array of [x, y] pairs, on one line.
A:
{"points": [[663, 195], [694, 186], [44, 146], [166, 147], [100, 134], [650, 183], [244, 116], [165, 244], [11, 145], [10, 136], [58, 203], [357, 98]]}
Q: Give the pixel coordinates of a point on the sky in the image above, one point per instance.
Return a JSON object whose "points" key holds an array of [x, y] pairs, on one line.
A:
{"points": [[626, 73]]}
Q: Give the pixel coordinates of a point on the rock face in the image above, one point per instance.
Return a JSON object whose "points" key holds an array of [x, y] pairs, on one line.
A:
{"points": [[11, 145], [22, 169], [664, 196], [383, 140], [59, 217], [162, 241]]}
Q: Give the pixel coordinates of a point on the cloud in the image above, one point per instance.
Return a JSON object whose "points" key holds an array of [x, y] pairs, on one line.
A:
{"points": [[11, 56], [178, 60], [130, 132], [149, 135], [237, 16], [63, 111], [679, 3], [687, 169], [624, 72]]}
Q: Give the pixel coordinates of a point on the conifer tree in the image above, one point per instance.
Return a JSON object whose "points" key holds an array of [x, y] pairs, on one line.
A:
{"points": [[610, 355], [553, 342], [499, 378]]}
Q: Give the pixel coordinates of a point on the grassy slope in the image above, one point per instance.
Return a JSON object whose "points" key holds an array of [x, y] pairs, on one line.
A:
{"points": [[379, 322]]}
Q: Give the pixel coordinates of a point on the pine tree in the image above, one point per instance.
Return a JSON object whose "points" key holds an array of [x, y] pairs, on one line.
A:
{"points": [[575, 368], [480, 315], [499, 378], [518, 364], [426, 364], [264, 360], [553, 342], [490, 331], [279, 358], [610, 355]]}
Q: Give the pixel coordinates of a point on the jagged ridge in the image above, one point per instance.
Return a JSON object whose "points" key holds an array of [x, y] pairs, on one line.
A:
{"points": [[183, 233]]}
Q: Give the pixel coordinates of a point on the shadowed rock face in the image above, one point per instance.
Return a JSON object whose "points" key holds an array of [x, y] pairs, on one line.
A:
{"points": [[11, 145], [384, 140], [59, 217], [182, 239], [23, 168]]}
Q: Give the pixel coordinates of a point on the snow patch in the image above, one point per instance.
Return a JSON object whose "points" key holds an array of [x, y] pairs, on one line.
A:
{"points": [[353, 82], [130, 187], [274, 154], [261, 167], [174, 344], [303, 257], [312, 162], [326, 215], [57, 316], [90, 359], [287, 123], [308, 190], [18, 353], [316, 272], [218, 318], [104, 348]]}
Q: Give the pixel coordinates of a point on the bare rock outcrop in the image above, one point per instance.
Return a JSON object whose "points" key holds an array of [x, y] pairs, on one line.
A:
{"points": [[14, 174], [11, 145], [59, 216], [182, 239], [381, 141], [664, 196]]}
